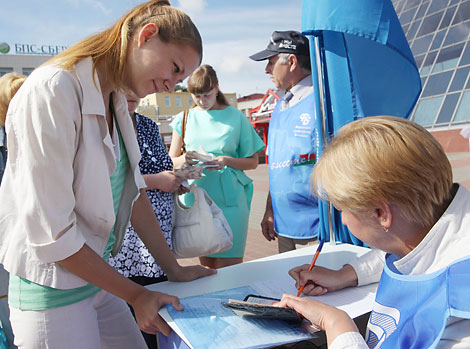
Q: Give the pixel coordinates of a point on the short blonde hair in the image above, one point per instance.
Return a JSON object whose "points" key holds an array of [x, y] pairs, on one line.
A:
{"points": [[110, 47], [385, 159], [9, 84]]}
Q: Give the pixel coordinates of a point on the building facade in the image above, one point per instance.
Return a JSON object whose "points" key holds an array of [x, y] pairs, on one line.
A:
{"points": [[21, 64], [246, 103], [438, 34]]}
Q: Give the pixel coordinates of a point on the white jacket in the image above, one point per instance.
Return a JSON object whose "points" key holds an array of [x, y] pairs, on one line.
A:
{"points": [[447, 241], [56, 192]]}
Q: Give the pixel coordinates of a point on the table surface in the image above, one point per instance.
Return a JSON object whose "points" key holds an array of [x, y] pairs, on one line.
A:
{"points": [[332, 256], [267, 268]]}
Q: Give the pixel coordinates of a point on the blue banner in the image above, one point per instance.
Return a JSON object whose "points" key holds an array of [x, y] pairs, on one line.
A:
{"points": [[366, 68]]}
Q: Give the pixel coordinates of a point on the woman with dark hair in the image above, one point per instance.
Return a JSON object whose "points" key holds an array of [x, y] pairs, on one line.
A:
{"points": [[225, 132]]}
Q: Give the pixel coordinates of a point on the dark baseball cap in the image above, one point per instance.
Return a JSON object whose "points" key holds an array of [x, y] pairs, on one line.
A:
{"points": [[284, 42]]}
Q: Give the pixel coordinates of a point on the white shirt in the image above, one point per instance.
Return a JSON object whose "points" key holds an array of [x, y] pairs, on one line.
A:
{"points": [[447, 241], [56, 193], [301, 90]]}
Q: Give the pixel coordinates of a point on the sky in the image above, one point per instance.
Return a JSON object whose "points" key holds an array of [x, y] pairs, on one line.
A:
{"points": [[231, 30]]}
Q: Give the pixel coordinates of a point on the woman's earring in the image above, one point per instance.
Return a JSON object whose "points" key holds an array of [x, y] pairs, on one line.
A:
{"points": [[385, 229]]}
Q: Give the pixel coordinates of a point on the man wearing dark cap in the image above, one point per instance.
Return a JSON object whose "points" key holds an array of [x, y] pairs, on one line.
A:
{"points": [[291, 209]]}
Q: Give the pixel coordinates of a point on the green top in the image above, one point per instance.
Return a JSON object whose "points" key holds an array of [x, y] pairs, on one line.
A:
{"points": [[26, 295], [224, 132]]}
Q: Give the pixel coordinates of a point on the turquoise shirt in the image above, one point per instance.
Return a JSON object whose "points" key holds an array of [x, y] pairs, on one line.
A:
{"points": [[224, 132], [26, 295]]}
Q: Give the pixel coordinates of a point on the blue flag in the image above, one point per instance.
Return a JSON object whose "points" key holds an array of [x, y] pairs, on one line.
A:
{"points": [[366, 69]]}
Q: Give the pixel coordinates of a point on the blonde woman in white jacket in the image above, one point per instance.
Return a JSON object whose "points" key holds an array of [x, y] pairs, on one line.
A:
{"points": [[72, 181]]}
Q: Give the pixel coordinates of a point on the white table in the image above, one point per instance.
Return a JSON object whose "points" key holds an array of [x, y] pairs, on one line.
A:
{"points": [[245, 274]]}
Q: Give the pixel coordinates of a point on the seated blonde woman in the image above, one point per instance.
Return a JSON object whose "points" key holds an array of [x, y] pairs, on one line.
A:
{"points": [[399, 198]]}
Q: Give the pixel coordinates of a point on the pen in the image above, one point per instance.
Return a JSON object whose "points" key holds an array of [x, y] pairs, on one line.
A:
{"points": [[320, 245]]}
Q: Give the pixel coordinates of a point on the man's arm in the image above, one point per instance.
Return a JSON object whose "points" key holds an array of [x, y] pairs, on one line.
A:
{"points": [[267, 224]]}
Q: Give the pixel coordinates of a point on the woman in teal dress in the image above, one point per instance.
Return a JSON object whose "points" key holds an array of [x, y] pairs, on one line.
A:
{"points": [[225, 132]]}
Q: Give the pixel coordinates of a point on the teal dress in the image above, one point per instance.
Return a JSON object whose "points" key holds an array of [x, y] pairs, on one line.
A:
{"points": [[224, 132]]}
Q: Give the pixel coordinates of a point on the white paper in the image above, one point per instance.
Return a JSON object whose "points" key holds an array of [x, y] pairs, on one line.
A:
{"points": [[209, 325]]}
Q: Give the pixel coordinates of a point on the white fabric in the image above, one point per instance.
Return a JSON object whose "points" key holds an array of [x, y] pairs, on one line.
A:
{"points": [[368, 267], [447, 241], [100, 321], [465, 132], [56, 193], [200, 229], [301, 90]]}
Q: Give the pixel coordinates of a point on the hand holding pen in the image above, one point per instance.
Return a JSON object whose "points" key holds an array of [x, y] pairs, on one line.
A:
{"points": [[314, 280], [315, 257]]}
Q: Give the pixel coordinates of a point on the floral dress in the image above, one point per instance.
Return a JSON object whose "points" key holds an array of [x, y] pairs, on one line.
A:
{"points": [[134, 259]]}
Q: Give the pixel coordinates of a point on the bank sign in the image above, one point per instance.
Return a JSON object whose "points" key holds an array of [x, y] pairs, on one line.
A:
{"points": [[31, 49]]}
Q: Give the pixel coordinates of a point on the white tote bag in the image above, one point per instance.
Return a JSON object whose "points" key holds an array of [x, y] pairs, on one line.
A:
{"points": [[201, 229]]}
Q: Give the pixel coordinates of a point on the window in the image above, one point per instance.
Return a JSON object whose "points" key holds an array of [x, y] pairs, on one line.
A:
{"points": [[167, 101], [430, 24], [465, 56], [421, 45], [178, 101], [4, 71], [447, 17], [27, 71], [459, 79], [448, 58], [448, 108], [422, 10], [463, 13], [464, 107], [438, 40], [437, 84], [457, 34], [406, 17], [427, 110]]}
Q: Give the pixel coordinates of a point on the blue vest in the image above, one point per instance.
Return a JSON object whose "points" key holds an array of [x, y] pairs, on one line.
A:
{"points": [[292, 142], [411, 311]]}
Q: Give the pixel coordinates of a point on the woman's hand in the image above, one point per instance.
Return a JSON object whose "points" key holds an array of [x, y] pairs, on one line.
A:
{"points": [[182, 189], [165, 181], [146, 306], [218, 163], [189, 273], [190, 158], [325, 317], [322, 280]]}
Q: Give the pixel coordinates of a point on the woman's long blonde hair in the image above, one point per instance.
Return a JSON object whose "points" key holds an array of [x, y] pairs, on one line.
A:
{"points": [[109, 48], [385, 159], [9, 84]]}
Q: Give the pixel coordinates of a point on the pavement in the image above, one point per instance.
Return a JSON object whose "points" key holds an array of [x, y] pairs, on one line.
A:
{"points": [[257, 246]]}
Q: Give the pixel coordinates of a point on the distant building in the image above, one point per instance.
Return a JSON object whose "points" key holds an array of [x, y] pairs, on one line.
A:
{"points": [[248, 102], [438, 32], [21, 64]]}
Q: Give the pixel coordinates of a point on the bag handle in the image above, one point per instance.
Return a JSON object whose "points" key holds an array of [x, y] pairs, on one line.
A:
{"points": [[183, 130], [181, 206]]}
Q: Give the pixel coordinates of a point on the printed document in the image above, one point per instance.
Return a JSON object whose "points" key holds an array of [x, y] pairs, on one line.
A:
{"points": [[207, 324]]}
